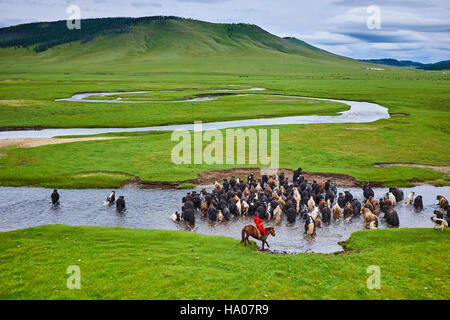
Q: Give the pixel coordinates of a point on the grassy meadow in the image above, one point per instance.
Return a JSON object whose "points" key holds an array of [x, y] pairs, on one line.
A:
{"points": [[191, 58], [119, 263]]}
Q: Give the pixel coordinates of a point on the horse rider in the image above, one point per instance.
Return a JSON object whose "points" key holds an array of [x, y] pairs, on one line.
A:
{"points": [[259, 225]]}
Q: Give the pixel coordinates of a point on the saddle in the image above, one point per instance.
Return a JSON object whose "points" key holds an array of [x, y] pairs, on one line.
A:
{"points": [[259, 235]]}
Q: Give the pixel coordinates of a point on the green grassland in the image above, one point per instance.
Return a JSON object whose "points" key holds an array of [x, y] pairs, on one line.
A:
{"points": [[24, 111], [148, 156], [119, 263], [193, 57]]}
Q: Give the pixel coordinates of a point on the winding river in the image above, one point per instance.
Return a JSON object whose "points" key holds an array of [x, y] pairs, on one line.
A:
{"points": [[359, 112]]}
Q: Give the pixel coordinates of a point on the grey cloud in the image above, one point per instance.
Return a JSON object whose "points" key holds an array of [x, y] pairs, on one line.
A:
{"points": [[373, 36], [203, 1], [144, 4]]}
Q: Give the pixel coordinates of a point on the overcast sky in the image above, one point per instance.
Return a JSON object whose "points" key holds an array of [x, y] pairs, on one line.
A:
{"points": [[408, 29]]}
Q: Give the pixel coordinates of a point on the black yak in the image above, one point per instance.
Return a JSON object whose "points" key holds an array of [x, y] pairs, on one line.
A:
{"points": [[120, 204], [326, 214], [391, 217], [418, 204], [368, 192], [55, 197]]}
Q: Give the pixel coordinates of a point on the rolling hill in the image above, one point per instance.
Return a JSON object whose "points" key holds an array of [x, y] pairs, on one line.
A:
{"points": [[441, 65]]}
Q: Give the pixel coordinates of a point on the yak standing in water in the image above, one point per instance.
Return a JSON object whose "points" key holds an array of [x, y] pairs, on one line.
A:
{"points": [[443, 202], [439, 223], [409, 198], [188, 216], [391, 217], [370, 220], [368, 192], [418, 204], [120, 204], [326, 214], [356, 205], [310, 227], [111, 198], [336, 211], [291, 215], [398, 194], [55, 197], [212, 212], [348, 211], [341, 200]]}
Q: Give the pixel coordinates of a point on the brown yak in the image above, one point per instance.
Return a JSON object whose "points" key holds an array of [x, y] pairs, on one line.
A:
{"points": [[336, 211], [368, 205], [217, 186], [369, 218], [348, 210], [442, 201], [311, 204], [204, 209], [321, 186], [322, 204], [318, 222], [376, 205]]}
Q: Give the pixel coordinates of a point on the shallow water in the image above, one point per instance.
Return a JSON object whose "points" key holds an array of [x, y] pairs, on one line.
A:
{"points": [[151, 209], [360, 112]]}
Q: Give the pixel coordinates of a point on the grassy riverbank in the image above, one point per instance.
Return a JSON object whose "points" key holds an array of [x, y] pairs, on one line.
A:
{"points": [[118, 263]]}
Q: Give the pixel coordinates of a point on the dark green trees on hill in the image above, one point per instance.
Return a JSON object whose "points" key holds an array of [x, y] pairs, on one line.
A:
{"points": [[41, 36]]}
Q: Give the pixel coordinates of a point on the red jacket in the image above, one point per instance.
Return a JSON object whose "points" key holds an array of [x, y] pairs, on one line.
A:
{"points": [[259, 224]]}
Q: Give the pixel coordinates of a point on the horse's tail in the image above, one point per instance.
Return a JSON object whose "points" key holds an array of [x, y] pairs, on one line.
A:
{"points": [[243, 234]]}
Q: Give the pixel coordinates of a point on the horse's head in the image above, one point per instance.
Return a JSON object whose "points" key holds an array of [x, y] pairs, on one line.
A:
{"points": [[271, 230]]}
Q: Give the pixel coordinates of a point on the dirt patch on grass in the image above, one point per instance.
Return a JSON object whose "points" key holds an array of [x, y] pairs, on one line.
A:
{"points": [[2, 155], [210, 176], [444, 169], [18, 128], [104, 173], [36, 142], [293, 100], [399, 114], [362, 128], [86, 92], [16, 103]]}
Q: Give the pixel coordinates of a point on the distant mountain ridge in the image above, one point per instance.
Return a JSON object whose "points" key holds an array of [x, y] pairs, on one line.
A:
{"points": [[157, 34], [441, 65]]}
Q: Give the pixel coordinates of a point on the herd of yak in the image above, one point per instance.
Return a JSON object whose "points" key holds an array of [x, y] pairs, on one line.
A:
{"points": [[110, 200], [317, 203]]}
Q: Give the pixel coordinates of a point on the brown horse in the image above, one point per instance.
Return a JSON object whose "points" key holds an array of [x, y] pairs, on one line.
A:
{"points": [[250, 230]]}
